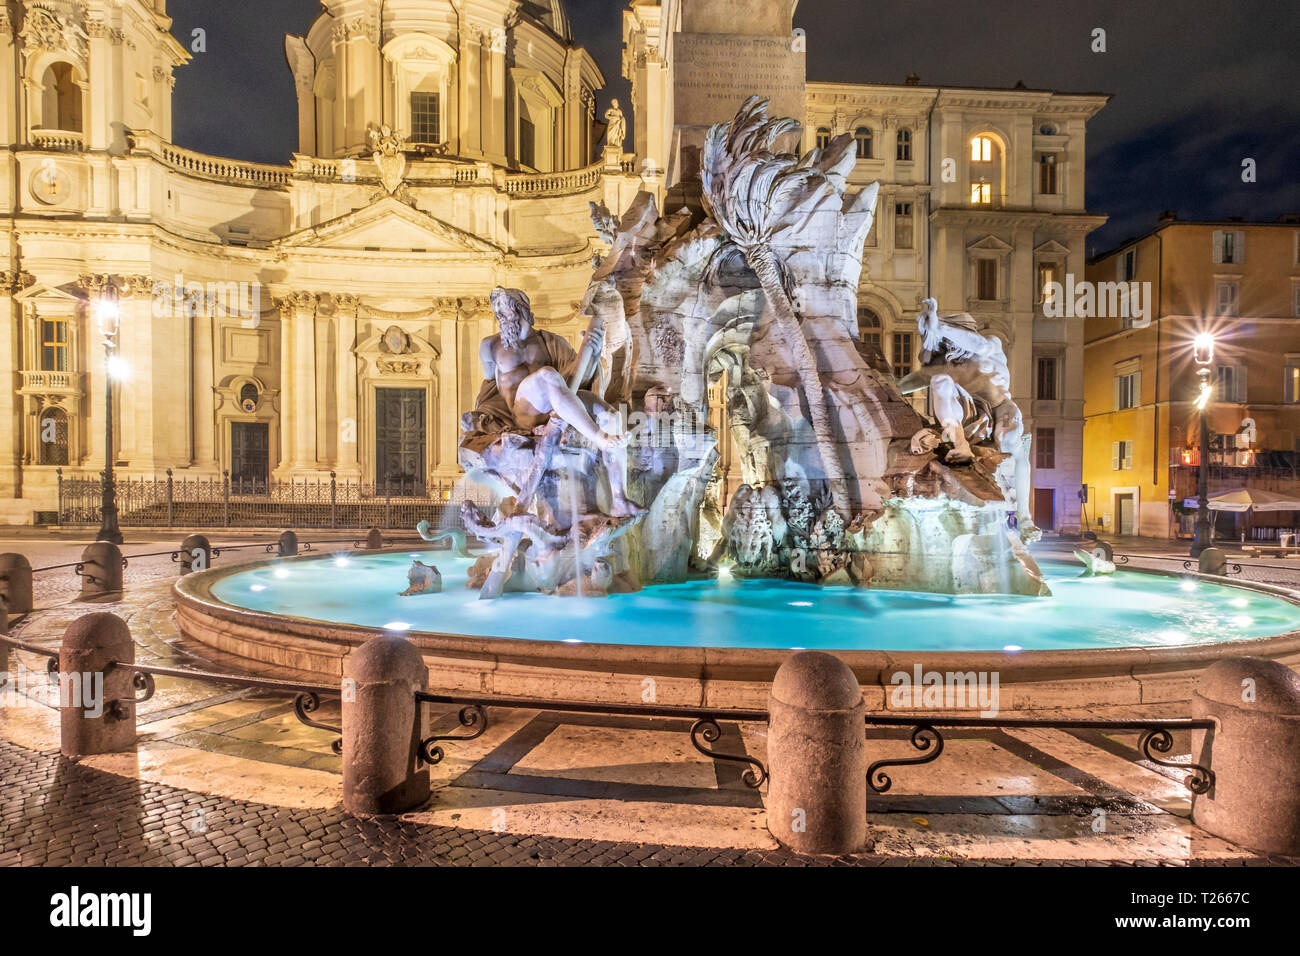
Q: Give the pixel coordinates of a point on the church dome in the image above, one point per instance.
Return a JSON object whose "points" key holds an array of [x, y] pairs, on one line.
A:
{"points": [[552, 15]]}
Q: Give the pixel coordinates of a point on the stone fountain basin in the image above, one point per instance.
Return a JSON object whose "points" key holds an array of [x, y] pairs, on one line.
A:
{"points": [[713, 677]]}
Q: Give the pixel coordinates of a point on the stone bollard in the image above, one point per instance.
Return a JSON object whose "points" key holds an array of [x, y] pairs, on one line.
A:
{"points": [[381, 728], [96, 706], [374, 540], [817, 756], [1254, 753], [4, 648], [101, 571], [288, 544], [195, 554], [16, 583], [1213, 561]]}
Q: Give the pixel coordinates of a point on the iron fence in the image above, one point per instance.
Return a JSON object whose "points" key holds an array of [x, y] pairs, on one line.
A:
{"points": [[169, 501]]}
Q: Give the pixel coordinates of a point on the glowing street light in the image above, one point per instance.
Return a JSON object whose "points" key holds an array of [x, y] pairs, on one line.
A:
{"points": [[108, 315], [1203, 355]]}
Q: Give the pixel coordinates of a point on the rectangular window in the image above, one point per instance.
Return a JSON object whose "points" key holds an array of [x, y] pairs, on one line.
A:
{"points": [[1047, 174], [1226, 295], [1045, 448], [1295, 296], [54, 345], [902, 354], [903, 225], [527, 142], [1128, 391], [986, 279], [1291, 382], [1229, 246], [1121, 455], [1047, 384], [1128, 265], [981, 194], [1230, 384], [903, 153], [425, 118], [1048, 272]]}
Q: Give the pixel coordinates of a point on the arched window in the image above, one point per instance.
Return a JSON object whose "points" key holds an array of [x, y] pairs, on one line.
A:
{"points": [[823, 137], [862, 136], [985, 171], [61, 99], [869, 327], [53, 437], [903, 149]]}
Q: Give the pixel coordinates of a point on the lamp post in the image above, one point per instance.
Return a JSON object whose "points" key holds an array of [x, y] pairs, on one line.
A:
{"points": [[1203, 355], [109, 318]]}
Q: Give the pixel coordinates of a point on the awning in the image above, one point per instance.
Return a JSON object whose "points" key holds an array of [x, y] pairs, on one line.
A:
{"points": [[1250, 499]]}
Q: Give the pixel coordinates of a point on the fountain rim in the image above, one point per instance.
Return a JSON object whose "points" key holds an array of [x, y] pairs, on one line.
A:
{"points": [[195, 599]]}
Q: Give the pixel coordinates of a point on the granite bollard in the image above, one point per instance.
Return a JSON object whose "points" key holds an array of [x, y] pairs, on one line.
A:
{"points": [[1212, 561], [288, 544], [381, 727], [195, 554], [96, 701], [101, 571], [816, 751], [16, 583], [1254, 754]]}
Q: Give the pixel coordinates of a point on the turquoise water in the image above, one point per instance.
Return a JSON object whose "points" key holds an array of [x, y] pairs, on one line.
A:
{"points": [[1123, 609]]}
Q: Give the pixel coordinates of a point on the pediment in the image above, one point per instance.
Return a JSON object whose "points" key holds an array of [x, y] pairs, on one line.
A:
{"points": [[389, 225], [990, 244], [1052, 248]]}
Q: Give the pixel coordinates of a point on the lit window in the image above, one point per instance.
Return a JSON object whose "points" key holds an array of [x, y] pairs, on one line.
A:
{"points": [[425, 118], [1047, 274], [862, 136], [1291, 384], [903, 225], [54, 345], [903, 149], [981, 193], [53, 437], [981, 149], [823, 137]]}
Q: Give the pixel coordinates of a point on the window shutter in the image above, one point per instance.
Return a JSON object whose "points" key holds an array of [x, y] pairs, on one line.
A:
{"points": [[1288, 383], [1239, 380], [1114, 456], [1117, 381], [1136, 398], [1239, 247], [1218, 245]]}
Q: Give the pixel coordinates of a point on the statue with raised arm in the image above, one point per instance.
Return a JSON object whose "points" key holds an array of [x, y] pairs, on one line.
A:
{"points": [[970, 393], [532, 377]]}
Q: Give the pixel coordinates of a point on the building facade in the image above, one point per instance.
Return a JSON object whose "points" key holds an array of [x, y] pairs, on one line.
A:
{"points": [[1239, 282], [982, 203], [284, 321]]}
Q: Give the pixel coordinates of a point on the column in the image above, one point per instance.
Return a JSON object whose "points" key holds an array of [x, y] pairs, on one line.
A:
{"points": [[449, 410], [494, 100], [288, 454], [304, 380], [349, 435]]}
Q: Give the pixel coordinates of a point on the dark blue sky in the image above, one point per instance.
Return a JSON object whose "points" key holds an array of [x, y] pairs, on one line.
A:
{"points": [[1198, 85]]}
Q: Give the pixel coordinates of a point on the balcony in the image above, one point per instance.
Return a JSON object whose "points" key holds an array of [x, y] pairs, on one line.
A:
{"points": [[59, 140], [51, 383]]}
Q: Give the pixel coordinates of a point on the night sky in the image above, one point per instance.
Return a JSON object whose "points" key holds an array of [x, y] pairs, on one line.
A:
{"points": [[1198, 85]]}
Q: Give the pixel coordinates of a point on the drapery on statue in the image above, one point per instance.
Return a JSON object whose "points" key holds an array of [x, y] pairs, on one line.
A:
{"points": [[532, 375], [616, 130], [970, 392]]}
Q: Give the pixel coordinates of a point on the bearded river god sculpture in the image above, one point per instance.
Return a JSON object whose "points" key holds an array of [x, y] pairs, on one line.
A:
{"points": [[604, 460]]}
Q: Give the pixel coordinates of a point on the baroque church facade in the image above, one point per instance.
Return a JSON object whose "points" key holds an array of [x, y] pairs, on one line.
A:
{"points": [[323, 317]]}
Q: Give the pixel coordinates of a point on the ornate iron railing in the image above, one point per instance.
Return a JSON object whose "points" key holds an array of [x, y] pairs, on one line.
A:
{"points": [[226, 502]]}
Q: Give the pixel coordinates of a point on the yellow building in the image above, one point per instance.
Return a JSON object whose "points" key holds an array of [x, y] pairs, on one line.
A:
{"points": [[1240, 282]]}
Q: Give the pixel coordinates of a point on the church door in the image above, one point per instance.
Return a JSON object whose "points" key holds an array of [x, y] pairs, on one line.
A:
{"points": [[399, 439], [249, 456]]}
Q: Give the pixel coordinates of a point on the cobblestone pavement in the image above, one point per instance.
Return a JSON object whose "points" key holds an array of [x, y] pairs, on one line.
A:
{"points": [[55, 813], [58, 812]]}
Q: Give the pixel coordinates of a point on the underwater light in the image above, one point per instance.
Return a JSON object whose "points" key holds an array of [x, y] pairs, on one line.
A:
{"points": [[1013, 648], [1188, 585], [801, 603], [258, 587], [1243, 620], [397, 626], [340, 562], [281, 572]]}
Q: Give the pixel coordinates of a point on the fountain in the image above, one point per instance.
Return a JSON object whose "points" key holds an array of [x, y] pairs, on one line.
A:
{"points": [[861, 526]]}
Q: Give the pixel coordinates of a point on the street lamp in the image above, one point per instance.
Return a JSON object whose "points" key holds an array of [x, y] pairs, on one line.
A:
{"points": [[109, 318], [1203, 355]]}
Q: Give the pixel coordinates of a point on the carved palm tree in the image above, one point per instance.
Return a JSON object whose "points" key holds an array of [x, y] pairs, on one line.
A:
{"points": [[756, 195]]}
